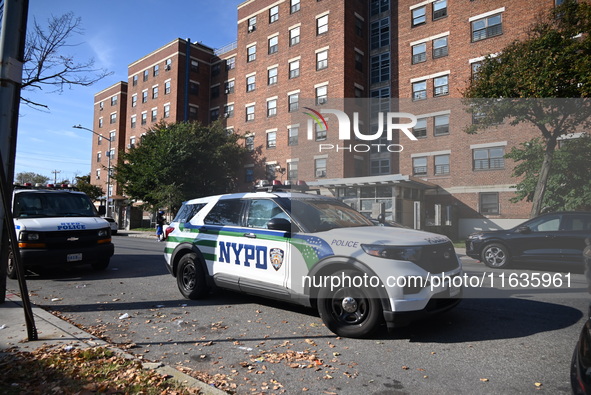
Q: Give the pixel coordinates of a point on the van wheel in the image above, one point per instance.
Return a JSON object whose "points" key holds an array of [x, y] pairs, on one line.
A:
{"points": [[190, 277], [100, 265], [349, 311], [11, 269], [495, 255]]}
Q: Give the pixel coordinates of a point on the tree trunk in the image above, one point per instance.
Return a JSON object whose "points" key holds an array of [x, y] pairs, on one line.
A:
{"points": [[543, 177]]}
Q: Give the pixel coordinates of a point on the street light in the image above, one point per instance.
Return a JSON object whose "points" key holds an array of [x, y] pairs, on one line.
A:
{"points": [[108, 213]]}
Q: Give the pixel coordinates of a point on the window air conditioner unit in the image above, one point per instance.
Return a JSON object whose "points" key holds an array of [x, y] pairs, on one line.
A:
{"points": [[252, 28], [167, 67], [320, 173], [130, 146], [227, 91]]}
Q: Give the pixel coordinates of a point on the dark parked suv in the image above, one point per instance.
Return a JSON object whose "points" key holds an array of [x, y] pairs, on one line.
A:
{"points": [[550, 238]]}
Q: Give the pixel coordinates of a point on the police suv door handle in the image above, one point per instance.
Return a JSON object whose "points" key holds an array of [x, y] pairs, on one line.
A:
{"points": [[250, 235]]}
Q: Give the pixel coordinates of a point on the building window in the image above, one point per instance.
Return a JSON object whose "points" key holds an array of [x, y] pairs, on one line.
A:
{"points": [[320, 167], [144, 118], [194, 66], [167, 88], [359, 26], [133, 121], [380, 33], [441, 125], [475, 69], [214, 114], [271, 139], [319, 132], [193, 112], [441, 164], [441, 86], [146, 74], [322, 95], [251, 53], [167, 111], [144, 96], [215, 69], [131, 142], [294, 69], [250, 83], [249, 113], [489, 203], [249, 143], [294, 36], [380, 166], [193, 88], [252, 24], [274, 14], [272, 76], [114, 100], [112, 136], [439, 9], [292, 170], [440, 47], [419, 16], [249, 174], [229, 87], [419, 53], [98, 157], [230, 63], [292, 134], [154, 115], [379, 6], [321, 60], [134, 80], [271, 108], [155, 70], [214, 91], [100, 122], [155, 92], [294, 6], [98, 174], [273, 44], [322, 25], [229, 110], [420, 129], [168, 64], [294, 102], [113, 118], [380, 68], [489, 158], [487, 27], [358, 61], [419, 166]]}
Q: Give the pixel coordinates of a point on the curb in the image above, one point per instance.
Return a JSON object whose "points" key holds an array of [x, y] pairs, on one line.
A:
{"points": [[55, 331]]}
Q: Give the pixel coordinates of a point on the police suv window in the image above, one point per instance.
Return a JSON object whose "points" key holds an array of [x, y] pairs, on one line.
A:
{"points": [[261, 211], [225, 212], [187, 212]]}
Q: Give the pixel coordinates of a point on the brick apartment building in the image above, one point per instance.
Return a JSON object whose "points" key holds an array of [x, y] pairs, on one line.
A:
{"points": [[295, 56]]}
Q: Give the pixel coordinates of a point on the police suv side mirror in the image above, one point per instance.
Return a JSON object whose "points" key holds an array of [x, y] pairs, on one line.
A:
{"points": [[279, 224]]}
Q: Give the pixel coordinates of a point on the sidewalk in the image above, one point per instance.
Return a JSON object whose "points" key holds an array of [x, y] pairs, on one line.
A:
{"points": [[55, 332]]}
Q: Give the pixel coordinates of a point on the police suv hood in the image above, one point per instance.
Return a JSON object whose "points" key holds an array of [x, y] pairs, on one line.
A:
{"points": [[59, 224], [384, 235]]}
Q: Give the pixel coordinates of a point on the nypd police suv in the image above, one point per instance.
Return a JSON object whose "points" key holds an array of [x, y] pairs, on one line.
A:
{"points": [[316, 251], [58, 226]]}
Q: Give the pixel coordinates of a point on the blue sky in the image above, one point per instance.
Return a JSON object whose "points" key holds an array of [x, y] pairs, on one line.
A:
{"points": [[116, 33]]}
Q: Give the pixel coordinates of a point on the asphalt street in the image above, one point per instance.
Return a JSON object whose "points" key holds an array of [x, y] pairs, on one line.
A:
{"points": [[508, 338]]}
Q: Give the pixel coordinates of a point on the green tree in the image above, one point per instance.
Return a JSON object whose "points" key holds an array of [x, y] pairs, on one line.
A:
{"points": [[553, 62], [83, 184], [177, 162], [569, 186], [33, 178]]}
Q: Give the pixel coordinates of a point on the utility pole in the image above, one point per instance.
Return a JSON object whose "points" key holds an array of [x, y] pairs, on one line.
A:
{"points": [[55, 173]]}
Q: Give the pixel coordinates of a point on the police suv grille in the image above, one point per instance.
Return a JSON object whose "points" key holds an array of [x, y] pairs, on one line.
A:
{"points": [[438, 258], [69, 239]]}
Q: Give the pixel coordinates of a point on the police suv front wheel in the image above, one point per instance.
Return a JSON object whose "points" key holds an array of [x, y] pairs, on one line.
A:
{"points": [[349, 311], [190, 277]]}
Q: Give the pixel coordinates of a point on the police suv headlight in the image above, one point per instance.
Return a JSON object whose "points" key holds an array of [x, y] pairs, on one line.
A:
{"points": [[103, 232], [412, 254], [27, 236]]}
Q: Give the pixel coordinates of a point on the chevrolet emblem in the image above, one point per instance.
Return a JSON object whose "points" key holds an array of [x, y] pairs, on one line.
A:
{"points": [[72, 239]]}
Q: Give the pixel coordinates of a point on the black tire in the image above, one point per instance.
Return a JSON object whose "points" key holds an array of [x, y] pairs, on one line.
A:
{"points": [[190, 277], [350, 311], [496, 256], [11, 268], [101, 265]]}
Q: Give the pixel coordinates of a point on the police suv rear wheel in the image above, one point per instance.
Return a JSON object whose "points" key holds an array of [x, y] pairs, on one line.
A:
{"points": [[190, 277], [11, 269], [349, 311]]}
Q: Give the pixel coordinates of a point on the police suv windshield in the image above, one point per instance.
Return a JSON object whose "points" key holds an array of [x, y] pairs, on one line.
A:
{"points": [[318, 215], [52, 204]]}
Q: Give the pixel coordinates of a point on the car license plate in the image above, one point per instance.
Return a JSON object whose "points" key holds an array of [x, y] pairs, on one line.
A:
{"points": [[74, 257]]}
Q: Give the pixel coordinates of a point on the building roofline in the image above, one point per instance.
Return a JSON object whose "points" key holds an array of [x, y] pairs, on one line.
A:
{"points": [[111, 87], [198, 45]]}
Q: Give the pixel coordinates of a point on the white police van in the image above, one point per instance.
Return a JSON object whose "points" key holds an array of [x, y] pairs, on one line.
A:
{"points": [[58, 226], [316, 251]]}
